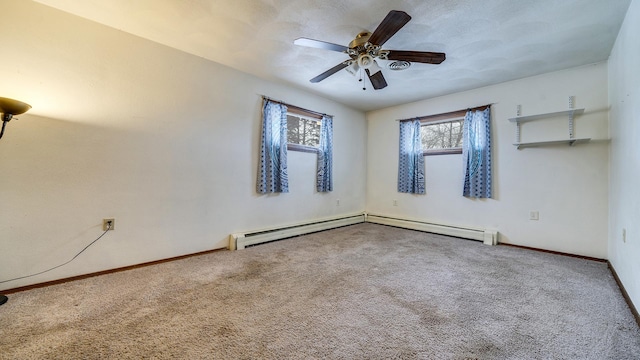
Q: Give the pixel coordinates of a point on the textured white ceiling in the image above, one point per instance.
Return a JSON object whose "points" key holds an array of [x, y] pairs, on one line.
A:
{"points": [[486, 42]]}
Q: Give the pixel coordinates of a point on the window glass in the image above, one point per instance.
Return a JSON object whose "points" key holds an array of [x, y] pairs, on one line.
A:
{"points": [[303, 131], [442, 135]]}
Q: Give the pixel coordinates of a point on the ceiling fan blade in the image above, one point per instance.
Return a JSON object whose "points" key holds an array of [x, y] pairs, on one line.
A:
{"points": [[320, 44], [377, 80], [393, 22], [417, 56], [329, 72]]}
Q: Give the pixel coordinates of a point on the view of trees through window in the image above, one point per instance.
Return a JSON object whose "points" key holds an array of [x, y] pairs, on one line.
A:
{"points": [[303, 131], [444, 135]]}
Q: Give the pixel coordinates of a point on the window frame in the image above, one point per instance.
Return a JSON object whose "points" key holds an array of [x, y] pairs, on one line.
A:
{"points": [[439, 119], [296, 111], [445, 151], [302, 148]]}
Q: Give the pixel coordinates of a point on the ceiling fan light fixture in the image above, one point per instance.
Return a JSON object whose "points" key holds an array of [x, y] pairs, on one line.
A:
{"points": [[353, 68], [374, 68], [365, 61]]}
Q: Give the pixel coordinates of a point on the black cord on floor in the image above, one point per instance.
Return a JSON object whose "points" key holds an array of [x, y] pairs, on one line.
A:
{"points": [[55, 267]]}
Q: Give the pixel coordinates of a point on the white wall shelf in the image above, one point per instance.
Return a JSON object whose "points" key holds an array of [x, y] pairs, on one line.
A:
{"points": [[570, 113], [571, 142]]}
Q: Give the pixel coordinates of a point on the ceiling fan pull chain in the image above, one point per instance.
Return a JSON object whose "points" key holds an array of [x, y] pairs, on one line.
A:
{"points": [[364, 83]]}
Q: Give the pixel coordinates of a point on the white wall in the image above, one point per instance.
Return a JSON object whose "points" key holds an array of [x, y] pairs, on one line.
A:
{"points": [[165, 142], [567, 185], [624, 202]]}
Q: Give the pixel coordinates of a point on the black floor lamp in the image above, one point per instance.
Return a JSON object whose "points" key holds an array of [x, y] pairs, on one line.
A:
{"points": [[9, 108]]}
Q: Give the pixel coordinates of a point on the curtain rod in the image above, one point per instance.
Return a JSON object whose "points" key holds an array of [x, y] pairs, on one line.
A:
{"points": [[295, 107], [451, 113]]}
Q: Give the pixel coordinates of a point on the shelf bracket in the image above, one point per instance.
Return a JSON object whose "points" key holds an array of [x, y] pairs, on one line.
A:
{"points": [[571, 119], [518, 113]]}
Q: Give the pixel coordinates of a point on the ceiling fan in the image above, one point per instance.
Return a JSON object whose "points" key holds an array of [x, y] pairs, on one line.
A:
{"points": [[367, 47]]}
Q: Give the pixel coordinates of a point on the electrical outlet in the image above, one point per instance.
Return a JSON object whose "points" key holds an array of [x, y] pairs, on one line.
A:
{"points": [[338, 202], [105, 224], [534, 215], [395, 202], [624, 235]]}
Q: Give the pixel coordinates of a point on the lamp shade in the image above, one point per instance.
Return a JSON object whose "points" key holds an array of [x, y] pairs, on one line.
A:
{"points": [[365, 61], [13, 107], [353, 68], [374, 68]]}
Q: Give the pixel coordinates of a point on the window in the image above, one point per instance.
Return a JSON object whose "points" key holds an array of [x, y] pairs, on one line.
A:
{"points": [[306, 131], [442, 137], [442, 133], [303, 131]]}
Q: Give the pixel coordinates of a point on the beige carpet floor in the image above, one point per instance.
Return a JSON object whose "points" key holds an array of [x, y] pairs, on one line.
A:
{"points": [[360, 292]]}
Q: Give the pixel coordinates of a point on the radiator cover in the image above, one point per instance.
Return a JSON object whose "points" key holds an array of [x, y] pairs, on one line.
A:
{"points": [[241, 240], [487, 236]]}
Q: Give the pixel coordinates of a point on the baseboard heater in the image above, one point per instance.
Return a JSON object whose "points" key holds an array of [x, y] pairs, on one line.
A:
{"points": [[487, 236], [241, 240]]}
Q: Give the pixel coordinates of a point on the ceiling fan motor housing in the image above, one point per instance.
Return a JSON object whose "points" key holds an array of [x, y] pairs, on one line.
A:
{"points": [[360, 40]]}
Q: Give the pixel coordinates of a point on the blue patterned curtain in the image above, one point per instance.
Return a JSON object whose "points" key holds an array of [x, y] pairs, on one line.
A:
{"points": [[325, 156], [272, 169], [476, 152], [411, 162]]}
